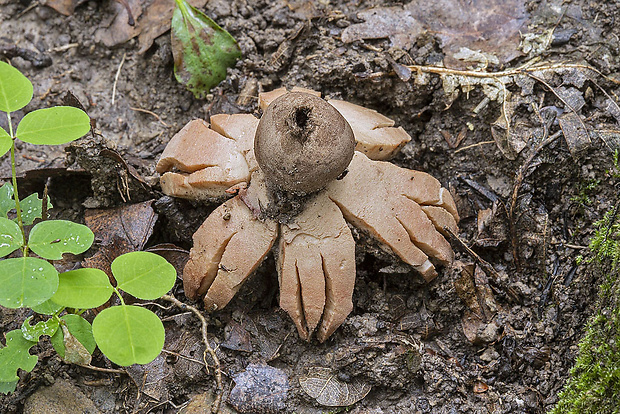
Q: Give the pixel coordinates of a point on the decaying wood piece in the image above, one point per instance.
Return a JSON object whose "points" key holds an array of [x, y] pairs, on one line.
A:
{"points": [[406, 211]]}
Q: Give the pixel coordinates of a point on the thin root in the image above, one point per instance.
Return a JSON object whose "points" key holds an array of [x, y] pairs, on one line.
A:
{"points": [[215, 408], [146, 111]]}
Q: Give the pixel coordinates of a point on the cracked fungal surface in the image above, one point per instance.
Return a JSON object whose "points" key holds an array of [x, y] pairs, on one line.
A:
{"points": [[296, 177]]}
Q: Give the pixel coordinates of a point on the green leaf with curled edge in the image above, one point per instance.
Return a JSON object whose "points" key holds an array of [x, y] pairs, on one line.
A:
{"points": [[15, 89], [202, 50], [128, 334], [26, 282], [6, 199], [53, 126], [32, 208], [15, 355], [5, 142], [52, 238], [11, 237], [34, 332]]}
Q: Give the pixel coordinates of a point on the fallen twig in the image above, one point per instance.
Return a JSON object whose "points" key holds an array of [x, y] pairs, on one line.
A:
{"points": [[107, 370], [38, 60], [486, 266], [118, 72], [477, 144]]}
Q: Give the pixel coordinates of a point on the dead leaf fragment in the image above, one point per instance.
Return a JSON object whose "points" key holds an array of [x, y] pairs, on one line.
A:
{"points": [[489, 26], [119, 31], [611, 138], [236, 338], [323, 385], [512, 134], [576, 136], [480, 387], [119, 230], [66, 7], [75, 352], [151, 378], [397, 23], [478, 321], [152, 19]]}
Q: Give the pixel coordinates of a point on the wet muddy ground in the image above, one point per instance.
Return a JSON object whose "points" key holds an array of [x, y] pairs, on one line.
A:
{"points": [[498, 332]]}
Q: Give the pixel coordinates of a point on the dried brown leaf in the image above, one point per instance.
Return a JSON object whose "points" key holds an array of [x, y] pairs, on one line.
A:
{"points": [[236, 337], [152, 19], [611, 138], [490, 26], [480, 387], [65, 7], [572, 97], [474, 290], [156, 21], [119, 31], [323, 385], [512, 134], [576, 136], [152, 378], [119, 230]]}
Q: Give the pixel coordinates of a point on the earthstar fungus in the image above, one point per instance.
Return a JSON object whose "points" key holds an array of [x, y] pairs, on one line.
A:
{"points": [[297, 176]]}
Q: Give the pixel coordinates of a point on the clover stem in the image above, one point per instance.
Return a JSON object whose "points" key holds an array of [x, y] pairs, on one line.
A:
{"points": [[18, 209], [118, 293]]}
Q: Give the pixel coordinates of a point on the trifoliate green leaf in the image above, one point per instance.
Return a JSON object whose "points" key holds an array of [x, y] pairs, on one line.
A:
{"points": [[53, 126], [15, 89], [7, 387], [6, 199], [202, 50], [50, 239], [15, 355], [49, 307]]}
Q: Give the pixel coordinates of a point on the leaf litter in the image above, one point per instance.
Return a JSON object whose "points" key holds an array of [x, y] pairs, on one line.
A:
{"points": [[491, 26], [475, 36], [323, 385], [152, 19], [120, 230]]}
